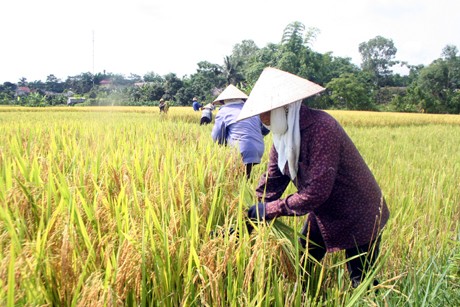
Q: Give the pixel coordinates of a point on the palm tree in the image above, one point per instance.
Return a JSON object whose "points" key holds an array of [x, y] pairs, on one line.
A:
{"points": [[22, 81], [292, 37], [231, 70]]}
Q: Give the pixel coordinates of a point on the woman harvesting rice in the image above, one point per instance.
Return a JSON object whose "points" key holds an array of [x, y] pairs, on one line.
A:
{"points": [[335, 187]]}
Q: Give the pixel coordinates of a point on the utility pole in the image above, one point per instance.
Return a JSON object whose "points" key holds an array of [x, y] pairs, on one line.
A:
{"points": [[93, 58]]}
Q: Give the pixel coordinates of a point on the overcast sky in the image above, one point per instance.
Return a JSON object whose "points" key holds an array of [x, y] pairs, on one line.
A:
{"points": [[69, 37]]}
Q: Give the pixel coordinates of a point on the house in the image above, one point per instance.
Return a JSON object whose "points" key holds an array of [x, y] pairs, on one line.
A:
{"points": [[71, 101], [141, 84], [22, 91], [106, 83]]}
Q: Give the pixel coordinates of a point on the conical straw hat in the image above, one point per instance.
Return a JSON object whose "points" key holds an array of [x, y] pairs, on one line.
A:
{"points": [[276, 88], [231, 92]]}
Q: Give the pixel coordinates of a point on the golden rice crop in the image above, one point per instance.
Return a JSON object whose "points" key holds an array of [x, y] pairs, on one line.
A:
{"points": [[116, 205]]}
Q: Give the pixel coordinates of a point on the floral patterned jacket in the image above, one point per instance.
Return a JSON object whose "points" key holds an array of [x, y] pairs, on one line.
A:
{"points": [[334, 185]]}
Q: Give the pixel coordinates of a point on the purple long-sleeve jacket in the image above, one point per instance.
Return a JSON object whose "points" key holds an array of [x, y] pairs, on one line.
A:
{"points": [[246, 134], [334, 185]]}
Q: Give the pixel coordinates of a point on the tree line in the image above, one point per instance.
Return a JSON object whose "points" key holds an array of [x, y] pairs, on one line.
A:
{"points": [[370, 86]]}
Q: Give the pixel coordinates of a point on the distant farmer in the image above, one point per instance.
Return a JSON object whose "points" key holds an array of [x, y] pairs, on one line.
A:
{"points": [[246, 134], [206, 114], [196, 105], [335, 187], [163, 106]]}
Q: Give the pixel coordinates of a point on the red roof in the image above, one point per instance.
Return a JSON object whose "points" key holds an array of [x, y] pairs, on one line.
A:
{"points": [[24, 89]]}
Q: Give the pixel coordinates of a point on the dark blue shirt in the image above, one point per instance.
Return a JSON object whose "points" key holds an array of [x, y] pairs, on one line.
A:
{"points": [[196, 105]]}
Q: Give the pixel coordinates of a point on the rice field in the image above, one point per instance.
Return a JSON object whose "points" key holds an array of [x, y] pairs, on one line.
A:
{"points": [[123, 206]]}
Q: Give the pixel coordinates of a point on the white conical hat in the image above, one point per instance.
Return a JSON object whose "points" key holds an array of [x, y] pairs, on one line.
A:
{"points": [[276, 88], [231, 92]]}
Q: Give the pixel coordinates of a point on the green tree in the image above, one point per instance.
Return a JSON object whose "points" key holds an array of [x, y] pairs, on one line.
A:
{"points": [[172, 85], [292, 47], [7, 91], [153, 77], [242, 55], [289, 61], [37, 85], [351, 92], [53, 84], [22, 81], [314, 67], [149, 92], [202, 84], [449, 52], [134, 78], [378, 57], [329, 67], [297, 56], [292, 38], [245, 50], [436, 89], [119, 80], [98, 77], [253, 72], [35, 99], [232, 70], [81, 83], [264, 57]]}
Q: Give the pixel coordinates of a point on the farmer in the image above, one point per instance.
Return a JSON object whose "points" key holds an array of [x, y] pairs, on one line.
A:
{"points": [[163, 106], [206, 114], [196, 105], [345, 206], [246, 134]]}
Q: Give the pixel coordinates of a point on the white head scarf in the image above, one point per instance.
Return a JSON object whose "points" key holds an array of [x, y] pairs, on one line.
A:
{"points": [[284, 125]]}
